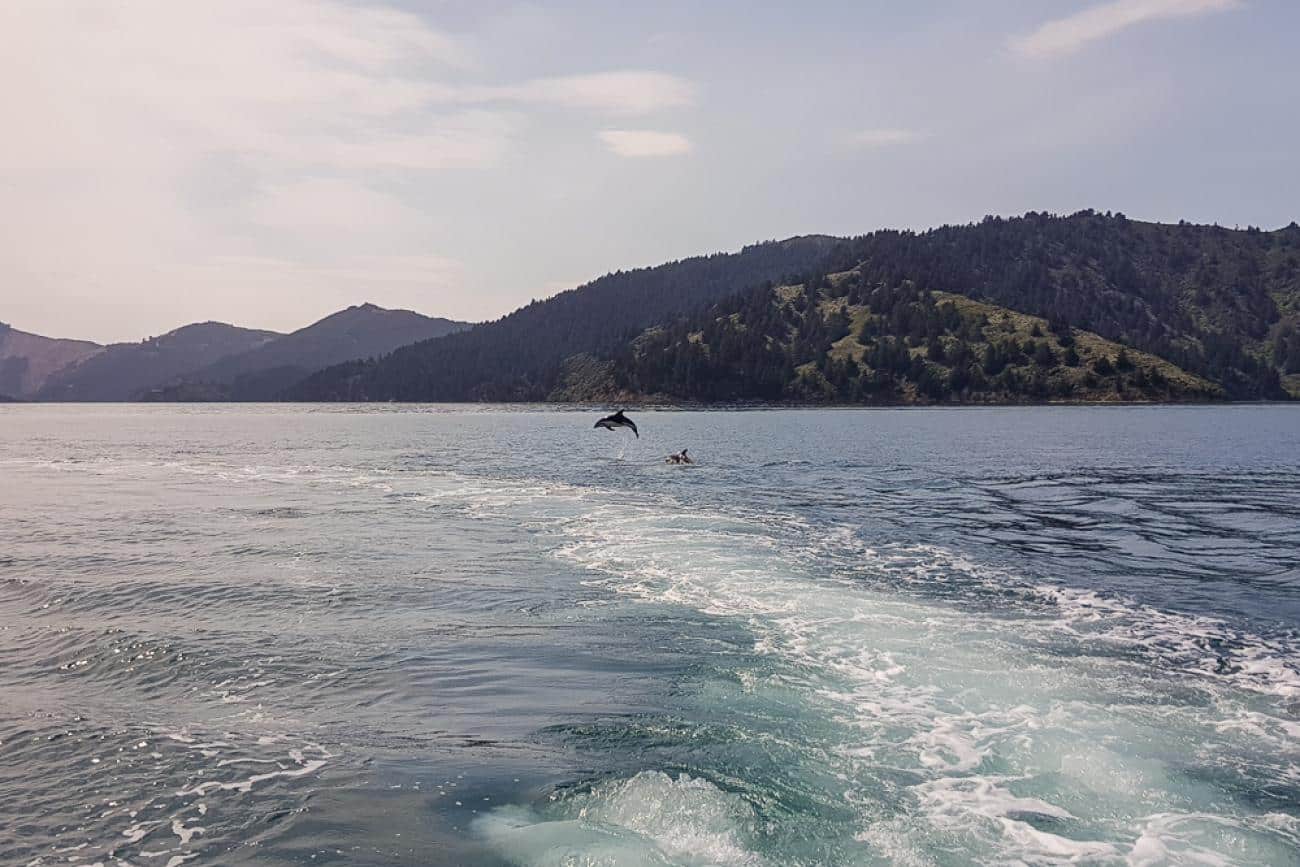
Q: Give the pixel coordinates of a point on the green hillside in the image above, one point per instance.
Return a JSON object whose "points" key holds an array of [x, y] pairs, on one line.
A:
{"points": [[1085, 307], [833, 343], [521, 356]]}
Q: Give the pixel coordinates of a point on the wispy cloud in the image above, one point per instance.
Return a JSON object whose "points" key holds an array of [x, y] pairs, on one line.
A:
{"points": [[874, 138], [191, 143], [1068, 34], [627, 92], [645, 142]]}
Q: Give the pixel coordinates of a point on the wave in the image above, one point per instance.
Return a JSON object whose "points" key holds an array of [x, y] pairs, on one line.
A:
{"points": [[957, 705], [147, 791], [649, 819]]}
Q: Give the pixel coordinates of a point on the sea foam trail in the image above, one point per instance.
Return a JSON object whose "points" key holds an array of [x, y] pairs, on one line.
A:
{"points": [[955, 708], [948, 706]]}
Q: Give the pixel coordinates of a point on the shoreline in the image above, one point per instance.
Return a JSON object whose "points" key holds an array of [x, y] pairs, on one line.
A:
{"points": [[635, 406]]}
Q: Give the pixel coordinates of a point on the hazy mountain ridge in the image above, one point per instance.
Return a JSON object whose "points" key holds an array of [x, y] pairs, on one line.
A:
{"points": [[358, 332], [519, 357], [1153, 312], [121, 371], [27, 360], [216, 361]]}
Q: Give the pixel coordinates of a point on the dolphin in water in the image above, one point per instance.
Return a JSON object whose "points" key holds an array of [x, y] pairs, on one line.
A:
{"points": [[617, 420], [680, 458]]}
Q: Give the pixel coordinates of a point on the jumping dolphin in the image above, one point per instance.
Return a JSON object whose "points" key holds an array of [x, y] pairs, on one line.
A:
{"points": [[617, 420]]}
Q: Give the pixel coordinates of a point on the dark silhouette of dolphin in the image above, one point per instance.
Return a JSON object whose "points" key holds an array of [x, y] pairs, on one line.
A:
{"points": [[617, 420]]}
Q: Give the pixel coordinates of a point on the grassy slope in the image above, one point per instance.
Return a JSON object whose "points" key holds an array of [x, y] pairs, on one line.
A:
{"points": [[1002, 323]]}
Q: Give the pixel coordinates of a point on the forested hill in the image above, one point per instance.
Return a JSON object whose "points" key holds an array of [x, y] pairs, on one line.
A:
{"points": [[997, 310], [839, 340], [519, 357], [1222, 303], [1089, 307]]}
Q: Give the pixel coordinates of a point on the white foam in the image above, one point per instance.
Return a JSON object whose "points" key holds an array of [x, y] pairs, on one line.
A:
{"points": [[1202, 839], [246, 786], [1204, 646], [650, 818], [973, 689], [179, 829], [976, 805]]}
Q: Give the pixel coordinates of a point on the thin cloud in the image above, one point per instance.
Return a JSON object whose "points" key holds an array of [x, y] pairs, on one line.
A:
{"points": [[875, 138], [645, 143], [1065, 35], [629, 92], [183, 145]]}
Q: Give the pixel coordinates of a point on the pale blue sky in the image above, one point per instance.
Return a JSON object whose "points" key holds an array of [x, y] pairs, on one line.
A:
{"points": [[266, 164]]}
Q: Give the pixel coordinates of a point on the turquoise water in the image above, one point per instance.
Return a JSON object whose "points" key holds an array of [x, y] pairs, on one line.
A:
{"points": [[440, 635]]}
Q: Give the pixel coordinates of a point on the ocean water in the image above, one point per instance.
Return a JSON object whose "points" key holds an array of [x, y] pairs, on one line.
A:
{"points": [[485, 635]]}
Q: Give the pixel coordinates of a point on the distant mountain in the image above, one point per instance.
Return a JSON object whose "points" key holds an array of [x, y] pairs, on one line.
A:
{"points": [[520, 356], [27, 360], [1086, 307], [359, 332], [122, 371]]}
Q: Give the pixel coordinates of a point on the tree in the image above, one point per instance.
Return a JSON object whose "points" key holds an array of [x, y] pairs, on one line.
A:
{"points": [[993, 361]]}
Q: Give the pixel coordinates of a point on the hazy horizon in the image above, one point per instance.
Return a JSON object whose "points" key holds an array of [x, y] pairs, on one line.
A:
{"points": [[267, 167]]}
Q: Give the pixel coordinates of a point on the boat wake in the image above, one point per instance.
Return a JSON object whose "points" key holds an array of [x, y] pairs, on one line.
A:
{"points": [[945, 705]]}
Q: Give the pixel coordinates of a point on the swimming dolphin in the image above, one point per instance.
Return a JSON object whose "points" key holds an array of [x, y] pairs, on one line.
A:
{"points": [[617, 420], [680, 458]]}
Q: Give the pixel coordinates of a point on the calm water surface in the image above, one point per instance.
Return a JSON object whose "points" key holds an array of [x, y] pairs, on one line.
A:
{"points": [[436, 635]]}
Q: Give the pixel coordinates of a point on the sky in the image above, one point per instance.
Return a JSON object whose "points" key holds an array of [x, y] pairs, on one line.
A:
{"points": [[265, 164]]}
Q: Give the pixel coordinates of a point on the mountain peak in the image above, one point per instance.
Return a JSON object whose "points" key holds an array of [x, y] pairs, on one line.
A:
{"points": [[260, 373]]}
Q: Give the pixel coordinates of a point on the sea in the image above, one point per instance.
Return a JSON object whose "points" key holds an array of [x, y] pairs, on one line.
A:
{"points": [[493, 635]]}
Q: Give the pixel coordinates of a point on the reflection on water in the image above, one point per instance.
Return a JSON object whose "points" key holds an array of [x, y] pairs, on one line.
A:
{"points": [[439, 635]]}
